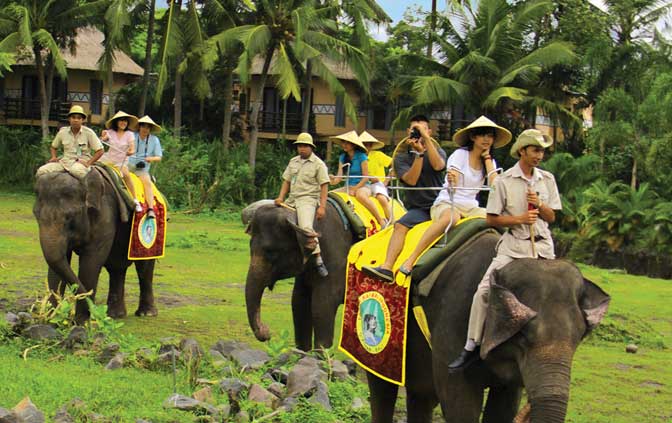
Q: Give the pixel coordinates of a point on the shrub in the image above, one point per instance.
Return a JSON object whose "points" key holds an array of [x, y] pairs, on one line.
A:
{"points": [[21, 153]]}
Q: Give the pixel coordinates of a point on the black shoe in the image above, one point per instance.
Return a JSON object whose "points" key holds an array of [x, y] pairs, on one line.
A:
{"points": [[320, 267], [151, 214], [466, 359], [380, 273]]}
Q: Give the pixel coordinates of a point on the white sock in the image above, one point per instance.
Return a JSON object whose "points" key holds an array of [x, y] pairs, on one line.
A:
{"points": [[470, 345]]}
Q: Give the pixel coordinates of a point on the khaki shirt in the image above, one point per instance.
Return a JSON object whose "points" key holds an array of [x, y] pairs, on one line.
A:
{"points": [[76, 146], [509, 198], [305, 177]]}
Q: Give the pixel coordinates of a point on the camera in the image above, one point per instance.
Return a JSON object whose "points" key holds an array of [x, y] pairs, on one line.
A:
{"points": [[140, 165], [415, 133]]}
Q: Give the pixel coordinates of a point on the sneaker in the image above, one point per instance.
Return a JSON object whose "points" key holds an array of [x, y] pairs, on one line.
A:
{"points": [[151, 214], [320, 267], [138, 206], [380, 273], [466, 359], [385, 224]]}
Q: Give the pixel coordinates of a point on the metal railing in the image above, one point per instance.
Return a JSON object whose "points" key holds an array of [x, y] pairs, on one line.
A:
{"points": [[19, 108], [272, 122]]}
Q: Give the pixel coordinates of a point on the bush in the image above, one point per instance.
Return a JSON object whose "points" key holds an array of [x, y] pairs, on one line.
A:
{"points": [[21, 153]]}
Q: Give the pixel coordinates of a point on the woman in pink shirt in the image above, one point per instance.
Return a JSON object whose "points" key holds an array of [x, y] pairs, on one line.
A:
{"points": [[121, 140]]}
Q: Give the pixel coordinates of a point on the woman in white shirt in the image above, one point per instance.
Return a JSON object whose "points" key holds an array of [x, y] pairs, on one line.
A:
{"points": [[468, 167]]}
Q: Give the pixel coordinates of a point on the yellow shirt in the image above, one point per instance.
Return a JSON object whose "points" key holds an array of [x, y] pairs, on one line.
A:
{"points": [[378, 161]]}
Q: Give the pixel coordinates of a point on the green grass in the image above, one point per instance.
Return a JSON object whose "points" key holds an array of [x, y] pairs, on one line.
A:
{"points": [[199, 288]]}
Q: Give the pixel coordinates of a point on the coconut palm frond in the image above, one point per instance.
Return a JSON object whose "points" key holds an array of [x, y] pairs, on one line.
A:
{"points": [[436, 89], [501, 93], [525, 73], [530, 12], [475, 60], [287, 82], [555, 53], [44, 39]]}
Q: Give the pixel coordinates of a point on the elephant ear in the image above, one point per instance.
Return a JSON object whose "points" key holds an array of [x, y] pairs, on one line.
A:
{"points": [[506, 316], [594, 303], [95, 188]]}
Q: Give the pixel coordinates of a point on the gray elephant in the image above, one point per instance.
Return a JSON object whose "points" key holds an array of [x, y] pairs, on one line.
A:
{"points": [[85, 218], [538, 313], [277, 252]]}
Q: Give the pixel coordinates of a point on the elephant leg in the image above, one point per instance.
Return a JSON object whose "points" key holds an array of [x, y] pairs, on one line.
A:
{"points": [[145, 271], [301, 305], [383, 396], [420, 407], [89, 271], [116, 304], [502, 404], [461, 401], [324, 315]]}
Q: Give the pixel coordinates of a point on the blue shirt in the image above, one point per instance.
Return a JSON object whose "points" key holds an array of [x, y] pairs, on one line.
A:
{"points": [[150, 147], [355, 166]]}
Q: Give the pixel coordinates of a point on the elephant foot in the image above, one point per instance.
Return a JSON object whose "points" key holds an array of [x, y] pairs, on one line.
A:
{"points": [[148, 311], [116, 312]]}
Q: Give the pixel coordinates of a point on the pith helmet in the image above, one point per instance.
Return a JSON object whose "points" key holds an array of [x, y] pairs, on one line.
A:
{"points": [[502, 135], [77, 110], [305, 138], [132, 120], [154, 127], [530, 137]]}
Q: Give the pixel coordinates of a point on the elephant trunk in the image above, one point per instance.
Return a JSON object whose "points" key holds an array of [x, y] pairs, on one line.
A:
{"points": [[54, 248], [547, 378], [258, 278]]}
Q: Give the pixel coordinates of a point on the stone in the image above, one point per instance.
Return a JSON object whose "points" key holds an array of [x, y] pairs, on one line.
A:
{"points": [[145, 357], [7, 416], [166, 358], [242, 417], [304, 379], [167, 345], [358, 403], [224, 411], [309, 361], [62, 416], [321, 396], [191, 348], [185, 403], [226, 347], [203, 394], [631, 348], [117, 362], [289, 403], [26, 412], [41, 332], [25, 319], [250, 358], [260, 395], [279, 375], [12, 319], [277, 389], [339, 371], [108, 352], [216, 355], [283, 359], [352, 366], [233, 387], [98, 339], [76, 338]]}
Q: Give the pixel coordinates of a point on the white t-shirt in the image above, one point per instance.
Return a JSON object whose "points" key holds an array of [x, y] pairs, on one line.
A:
{"points": [[471, 178]]}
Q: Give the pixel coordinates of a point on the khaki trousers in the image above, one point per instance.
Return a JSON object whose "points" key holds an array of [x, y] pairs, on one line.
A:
{"points": [[76, 169], [305, 215], [479, 305]]}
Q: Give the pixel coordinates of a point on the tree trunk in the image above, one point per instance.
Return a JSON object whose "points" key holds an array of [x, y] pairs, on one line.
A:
{"points": [[44, 106], [284, 119], [110, 92], [432, 28], [50, 82], [177, 115], [256, 105], [228, 103], [307, 104], [633, 179], [201, 110], [148, 59]]}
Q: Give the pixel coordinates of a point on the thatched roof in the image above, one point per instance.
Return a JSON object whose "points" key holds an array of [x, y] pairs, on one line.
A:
{"points": [[340, 70], [89, 43]]}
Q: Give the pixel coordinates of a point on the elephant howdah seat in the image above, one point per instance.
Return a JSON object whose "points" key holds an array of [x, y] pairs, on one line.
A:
{"points": [[357, 217]]}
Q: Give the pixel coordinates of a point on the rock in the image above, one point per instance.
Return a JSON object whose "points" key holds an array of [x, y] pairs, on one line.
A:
{"points": [[25, 319], [12, 319], [41, 332], [7, 416], [304, 378], [233, 387], [321, 396], [26, 412], [339, 371], [191, 348], [283, 359], [145, 357], [352, 366], [117, 362], [279, 375], [358, 403], [203, 394], [108, 352], [226, 347], [277, 389], [216, 355], [224, 411], [97, 418], [631, 348], [142, 421], [309, 361], [289, 403], [167, 345], [242, 417], [76, 338], [98, 339], [260, 395], [250, 358], [62, 416], [184, 403], [166, 358]]}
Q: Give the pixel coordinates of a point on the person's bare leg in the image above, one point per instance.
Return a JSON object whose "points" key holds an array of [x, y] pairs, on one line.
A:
{"points": [[129, 182], [433, 232], [396, 245], [385, 204], [149, 193], [363, 195]]}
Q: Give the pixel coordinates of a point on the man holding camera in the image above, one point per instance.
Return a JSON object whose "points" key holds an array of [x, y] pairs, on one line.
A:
{"points": [[147, 151], [419, 162]]}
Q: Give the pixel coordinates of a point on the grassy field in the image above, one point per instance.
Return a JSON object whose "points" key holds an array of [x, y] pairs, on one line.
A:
{"points": [[199, 287]]}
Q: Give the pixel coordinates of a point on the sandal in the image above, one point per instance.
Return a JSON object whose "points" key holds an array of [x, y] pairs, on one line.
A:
{"points": [[151, 214], [405, 271]]}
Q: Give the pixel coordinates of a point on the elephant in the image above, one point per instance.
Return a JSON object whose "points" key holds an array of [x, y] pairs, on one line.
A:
{"points": [[277, 251], [538, 312], [85, 217]]}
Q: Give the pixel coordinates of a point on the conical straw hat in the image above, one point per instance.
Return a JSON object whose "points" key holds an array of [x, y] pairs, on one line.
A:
{"points": [[146, 119], [502, 135], [351, 137], [365, 137], [132, 120]]}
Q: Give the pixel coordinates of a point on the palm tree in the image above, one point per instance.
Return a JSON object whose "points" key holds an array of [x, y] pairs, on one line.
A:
{"points": [[485, 63], [151, 10], [15, 30], [289, 33], [52, 25]]}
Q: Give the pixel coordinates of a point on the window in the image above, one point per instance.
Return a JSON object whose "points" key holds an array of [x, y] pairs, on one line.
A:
{"points": [[96, 96], [379, 117], [339, 115]]}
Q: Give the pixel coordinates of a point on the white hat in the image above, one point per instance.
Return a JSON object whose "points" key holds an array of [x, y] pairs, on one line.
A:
{"points": [[502, 135]]}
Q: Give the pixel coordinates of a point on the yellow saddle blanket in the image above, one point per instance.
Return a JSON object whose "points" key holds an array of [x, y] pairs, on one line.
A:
{"points": [[366, 217]]}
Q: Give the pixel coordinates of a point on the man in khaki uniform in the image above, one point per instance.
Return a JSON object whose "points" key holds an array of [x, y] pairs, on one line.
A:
{"points": [[306, 180], [524, 200], [77, 141]]}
